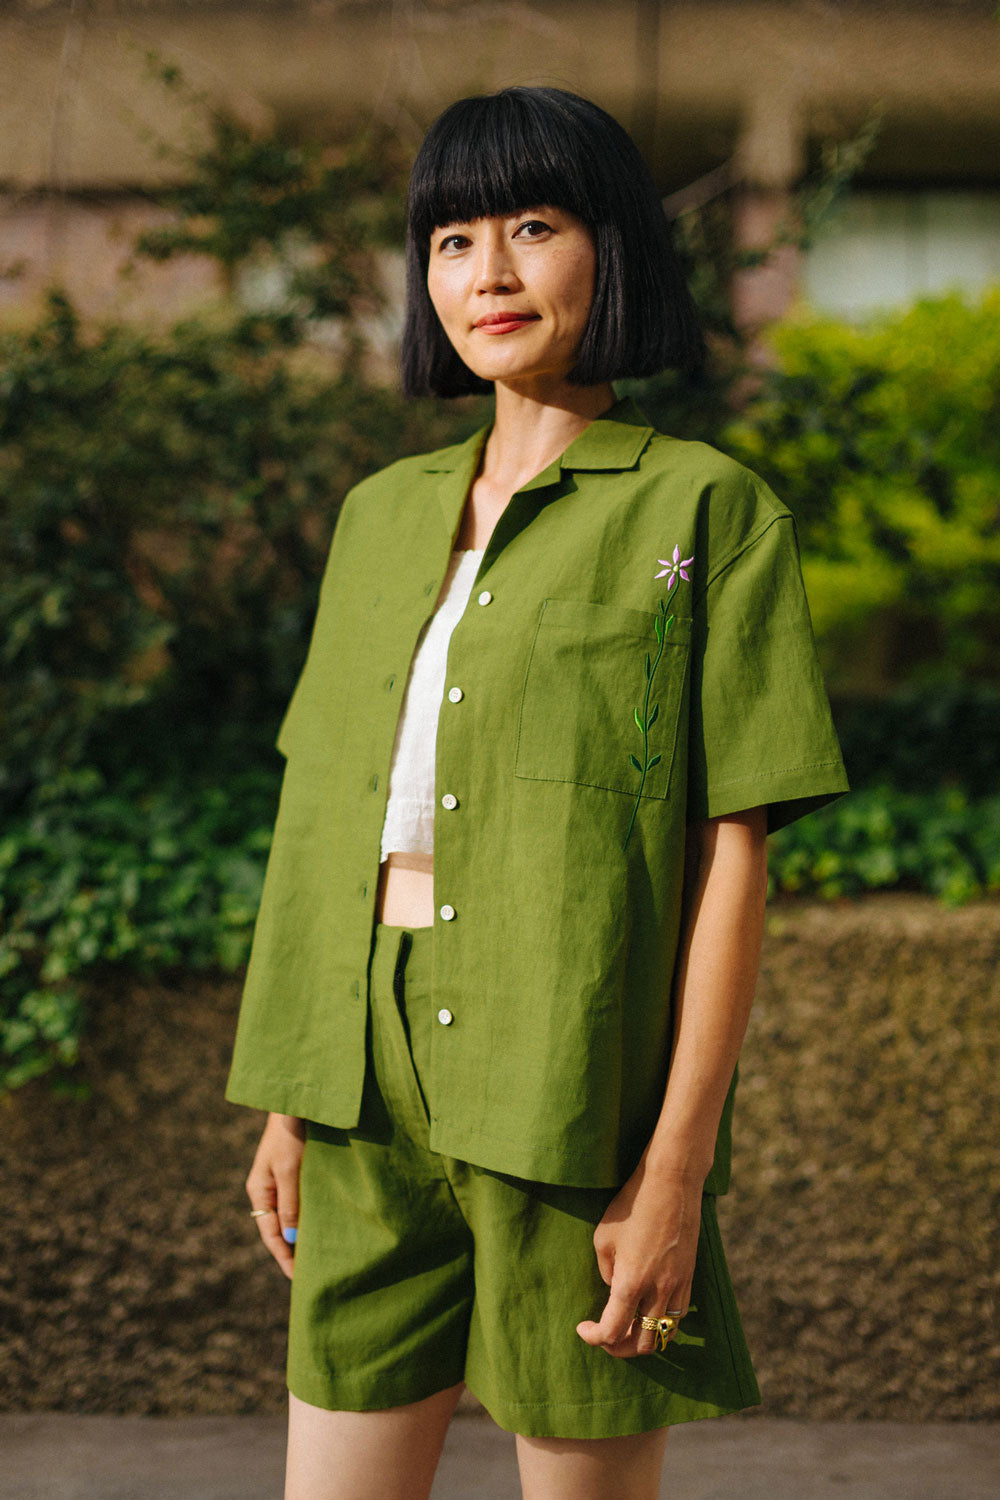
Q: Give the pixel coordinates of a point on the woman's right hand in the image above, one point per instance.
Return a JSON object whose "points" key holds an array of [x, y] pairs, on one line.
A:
{"points": [[273, 1183]]}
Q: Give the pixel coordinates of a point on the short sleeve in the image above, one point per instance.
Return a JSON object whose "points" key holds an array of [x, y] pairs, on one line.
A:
{"points": [[761, 730]]}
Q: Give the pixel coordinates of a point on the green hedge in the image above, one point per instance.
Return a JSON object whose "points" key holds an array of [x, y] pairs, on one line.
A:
{"points": [[166, 503], [918, 739], [877, 838], [143, 874], [885, 442]]}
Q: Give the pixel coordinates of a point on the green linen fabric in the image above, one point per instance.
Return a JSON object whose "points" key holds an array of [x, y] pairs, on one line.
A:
{"points": [[557, 887], [414, 1271]]}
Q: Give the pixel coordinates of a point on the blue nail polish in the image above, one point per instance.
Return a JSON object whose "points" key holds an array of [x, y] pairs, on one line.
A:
{"points": [[290, 1234]]}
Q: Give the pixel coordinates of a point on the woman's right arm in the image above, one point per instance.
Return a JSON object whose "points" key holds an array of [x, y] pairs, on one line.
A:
{"points": [[273, 1183]]}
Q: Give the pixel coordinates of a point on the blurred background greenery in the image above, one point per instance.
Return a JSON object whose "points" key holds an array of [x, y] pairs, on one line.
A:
{"points": [[167, 495]]}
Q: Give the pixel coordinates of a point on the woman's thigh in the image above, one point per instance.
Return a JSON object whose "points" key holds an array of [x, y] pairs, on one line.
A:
{"points": [[592, 1468], [354, 1455]]}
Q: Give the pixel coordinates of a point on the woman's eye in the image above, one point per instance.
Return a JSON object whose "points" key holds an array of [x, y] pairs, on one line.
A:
{"points": [[452, 241], [532, 228]]}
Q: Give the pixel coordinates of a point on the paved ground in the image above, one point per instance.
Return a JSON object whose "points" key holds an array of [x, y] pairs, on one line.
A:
{"points": [[55, 1457]]}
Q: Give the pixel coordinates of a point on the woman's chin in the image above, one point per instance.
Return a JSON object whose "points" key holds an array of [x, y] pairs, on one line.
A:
{"points": [[539, 385]]}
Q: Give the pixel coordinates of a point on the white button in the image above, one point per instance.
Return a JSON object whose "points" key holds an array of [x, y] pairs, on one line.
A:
{"points": [[449, 800], [485, 597], [445, 1017], [455, 694], [447, 912]]}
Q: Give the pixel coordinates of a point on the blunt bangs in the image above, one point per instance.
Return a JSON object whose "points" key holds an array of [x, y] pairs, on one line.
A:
{"points": [[491, 156], [496, 154]]}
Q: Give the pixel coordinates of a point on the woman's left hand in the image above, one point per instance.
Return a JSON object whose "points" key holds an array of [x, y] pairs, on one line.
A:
{"points": [[646, 1245]]}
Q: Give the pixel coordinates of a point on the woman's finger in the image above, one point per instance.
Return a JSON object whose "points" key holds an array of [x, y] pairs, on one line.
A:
{"points": [[288, 1202], [614, 1324], [269, 1227]]}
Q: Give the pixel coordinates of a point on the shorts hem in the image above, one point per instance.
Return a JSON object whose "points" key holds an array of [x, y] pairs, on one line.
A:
{"points": [[388, 1395], [597, 1419]]}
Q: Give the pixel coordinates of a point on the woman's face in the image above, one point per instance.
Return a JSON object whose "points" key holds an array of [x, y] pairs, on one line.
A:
{"points": [[513, 293]]}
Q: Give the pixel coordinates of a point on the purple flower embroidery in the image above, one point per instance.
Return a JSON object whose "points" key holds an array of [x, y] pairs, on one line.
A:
{"points": [[646, 718], [677, 565]]}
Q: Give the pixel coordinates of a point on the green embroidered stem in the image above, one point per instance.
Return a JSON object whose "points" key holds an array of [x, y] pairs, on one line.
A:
{"points": [[647, 718]]}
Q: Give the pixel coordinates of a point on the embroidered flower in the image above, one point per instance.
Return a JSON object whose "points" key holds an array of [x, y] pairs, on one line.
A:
{"points": [[647, 716], [677, 565]]}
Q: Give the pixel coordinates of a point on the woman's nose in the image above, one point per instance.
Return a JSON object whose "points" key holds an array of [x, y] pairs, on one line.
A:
{"points": [[495, 270]]}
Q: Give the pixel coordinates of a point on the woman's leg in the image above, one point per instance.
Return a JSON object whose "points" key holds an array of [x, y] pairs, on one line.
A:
{"points": [[592, 1468], [356, 1455]]}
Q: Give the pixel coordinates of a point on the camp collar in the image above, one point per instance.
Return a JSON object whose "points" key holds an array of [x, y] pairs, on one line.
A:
{"points": [[613, 441]]}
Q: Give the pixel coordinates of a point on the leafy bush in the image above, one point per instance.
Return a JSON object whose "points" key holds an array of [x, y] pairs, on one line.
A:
{"points": [[943, 842], [918, 739], [145, 874], [166, 502], [885, 442]]}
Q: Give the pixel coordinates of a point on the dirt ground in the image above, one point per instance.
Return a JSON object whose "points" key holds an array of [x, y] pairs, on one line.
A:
{"points": [[861, 1228]]}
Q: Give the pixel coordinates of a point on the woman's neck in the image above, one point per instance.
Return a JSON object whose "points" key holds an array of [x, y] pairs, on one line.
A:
{"points": [[528, 432]]}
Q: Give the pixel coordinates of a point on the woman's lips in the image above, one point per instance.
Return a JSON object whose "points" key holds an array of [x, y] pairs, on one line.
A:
{"points": [[504, 322]]}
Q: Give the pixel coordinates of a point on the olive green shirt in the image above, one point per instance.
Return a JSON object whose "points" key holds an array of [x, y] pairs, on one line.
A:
{"points": [[557, 887]]}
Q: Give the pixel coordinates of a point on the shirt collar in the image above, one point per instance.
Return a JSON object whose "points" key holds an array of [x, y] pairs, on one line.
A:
{"points": [[610, 443]]}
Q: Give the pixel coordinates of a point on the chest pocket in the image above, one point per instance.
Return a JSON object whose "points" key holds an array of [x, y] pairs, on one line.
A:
{"points": [[585, 679]]}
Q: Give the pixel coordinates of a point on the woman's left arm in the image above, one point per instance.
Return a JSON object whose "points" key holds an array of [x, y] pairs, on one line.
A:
{"points": [[647, 1240]]}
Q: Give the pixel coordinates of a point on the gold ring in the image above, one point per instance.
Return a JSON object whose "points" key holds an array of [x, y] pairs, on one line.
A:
{"points": [[258, 1213], [662, 1327]]}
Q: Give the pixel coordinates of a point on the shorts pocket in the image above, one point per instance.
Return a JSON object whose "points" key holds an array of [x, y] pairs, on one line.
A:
{"points": [[584, 684]]}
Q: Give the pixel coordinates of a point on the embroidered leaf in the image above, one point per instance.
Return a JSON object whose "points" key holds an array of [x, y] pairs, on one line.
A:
{"points": [[662, 623], [680, 1337]]}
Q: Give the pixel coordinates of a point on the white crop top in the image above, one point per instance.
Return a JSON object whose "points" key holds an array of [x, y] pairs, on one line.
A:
{"points": [[409, 813]]}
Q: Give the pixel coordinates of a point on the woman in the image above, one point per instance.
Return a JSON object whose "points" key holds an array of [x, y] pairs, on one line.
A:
{"points": [[561, 685]]}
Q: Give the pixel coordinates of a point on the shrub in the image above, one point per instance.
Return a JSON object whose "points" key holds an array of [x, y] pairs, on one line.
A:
{"points": [[885, 442], [878, 838], [166, 503], [146, 874]]}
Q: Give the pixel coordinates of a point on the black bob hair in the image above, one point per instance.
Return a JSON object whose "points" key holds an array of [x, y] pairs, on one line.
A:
{"points": [[495, 154]]}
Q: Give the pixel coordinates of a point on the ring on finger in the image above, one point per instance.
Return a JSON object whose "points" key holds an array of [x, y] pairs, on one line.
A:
{"points": [[663, 1328], [258, 1213]]}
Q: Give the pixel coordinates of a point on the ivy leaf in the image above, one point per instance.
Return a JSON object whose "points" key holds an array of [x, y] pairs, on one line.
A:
{"points": [[658, 627], [670, 621], [635, 761], [655, 761], [638, 720], [653, 716]]}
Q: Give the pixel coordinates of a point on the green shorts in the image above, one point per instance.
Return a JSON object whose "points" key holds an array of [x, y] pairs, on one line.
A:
{"points": [[414, 1271]]}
